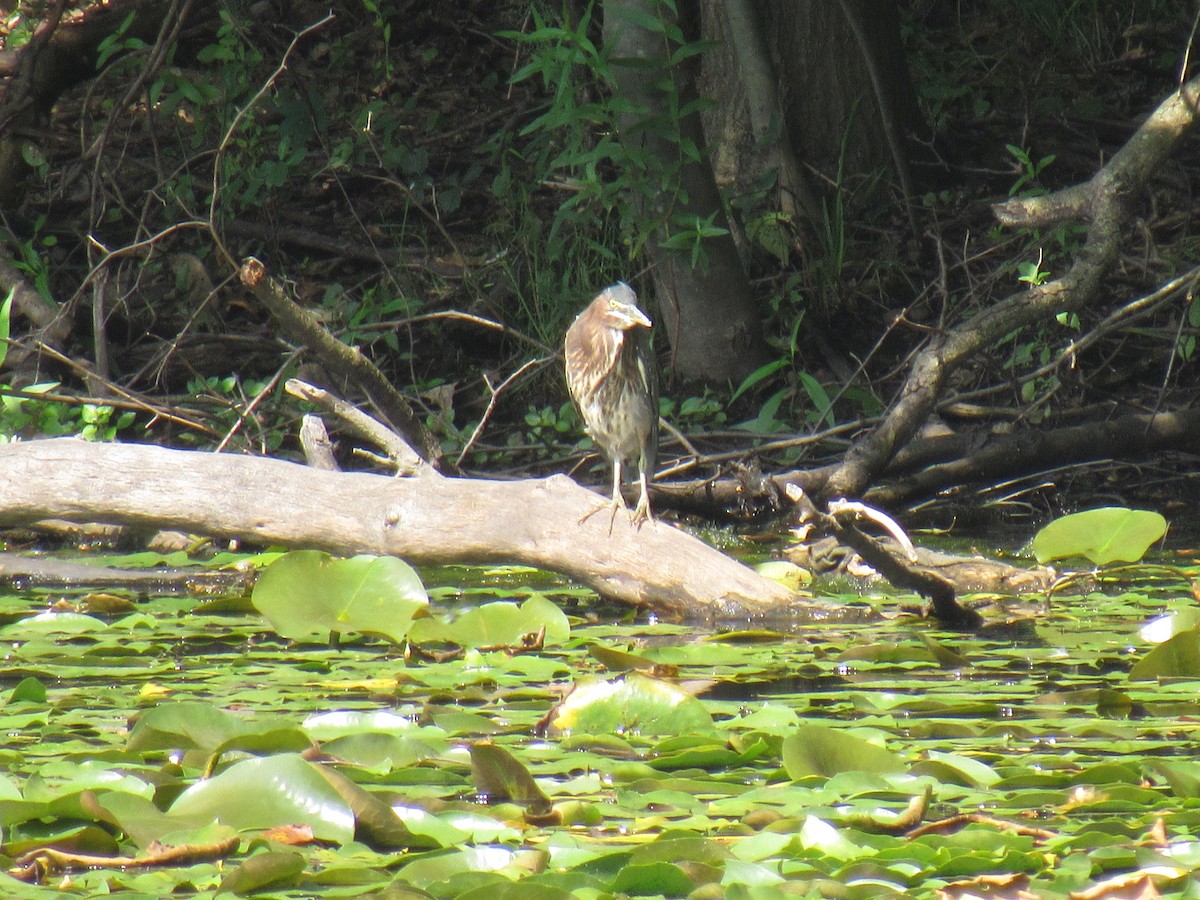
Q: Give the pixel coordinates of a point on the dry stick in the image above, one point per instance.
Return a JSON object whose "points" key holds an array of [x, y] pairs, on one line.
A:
{"points": [[127, 399], [400, 453], [492, 401], [459, 316], [317, 445], [37, 864], [302, 327], [237, 120], [263, 393], [1103, 200]]}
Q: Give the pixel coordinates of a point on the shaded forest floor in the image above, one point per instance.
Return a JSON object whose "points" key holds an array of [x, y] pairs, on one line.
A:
{"points": [[387, 178]]}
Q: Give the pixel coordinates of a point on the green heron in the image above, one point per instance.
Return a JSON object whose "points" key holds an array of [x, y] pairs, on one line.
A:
{"points": [[612, 379]]}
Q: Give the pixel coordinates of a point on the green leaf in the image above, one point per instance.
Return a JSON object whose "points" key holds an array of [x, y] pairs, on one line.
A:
{"points": [[1104, 535], [500, 624], [308, 594], [190, 725], [5, 323], [28, 690], [1182, 775], [820, 750], [1165, 627], [635, 702], [1177, 657], [500, 776], [286, 791], [762, 373], [262, 870]]}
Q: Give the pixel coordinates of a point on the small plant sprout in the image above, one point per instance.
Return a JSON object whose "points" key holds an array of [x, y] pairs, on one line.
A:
{"points": [[1032, 273]]}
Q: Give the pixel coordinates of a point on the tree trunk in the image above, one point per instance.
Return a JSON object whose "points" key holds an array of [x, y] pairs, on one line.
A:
{"points": [[848, 101], [812, 97], [704, 299], [425, 519]]}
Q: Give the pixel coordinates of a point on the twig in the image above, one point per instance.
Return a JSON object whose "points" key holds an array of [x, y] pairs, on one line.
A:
{"points": [[264, 392], [493, 400], [237, 121], [38, 864]]}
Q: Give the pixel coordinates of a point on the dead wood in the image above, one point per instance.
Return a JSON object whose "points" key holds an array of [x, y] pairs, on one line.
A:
{"points": [[301, 326], [1104, 202], [994, 457], [947, 462], [426, 519], [968, 574]]}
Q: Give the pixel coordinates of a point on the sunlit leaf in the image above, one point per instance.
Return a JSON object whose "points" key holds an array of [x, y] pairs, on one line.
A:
{"points": [[28, 690], [286, 790], [820, 750], [1176, 657], [5, 322], [1104, 535], [499, 775], [632, 703], [273, 867], [1156, 631], [498, 625], [1182, 775], [307, 594], [188, 725], [618, 660]]}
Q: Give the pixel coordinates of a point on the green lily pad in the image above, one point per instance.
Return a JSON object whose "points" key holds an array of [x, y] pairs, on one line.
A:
{"points": [[820, 750], [286, 789], [634, 702], [1177, 657], [1104, 535], [309, 594]]}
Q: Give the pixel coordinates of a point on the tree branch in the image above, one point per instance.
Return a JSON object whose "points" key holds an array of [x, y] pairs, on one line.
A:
{"points": [[1106, 206]]}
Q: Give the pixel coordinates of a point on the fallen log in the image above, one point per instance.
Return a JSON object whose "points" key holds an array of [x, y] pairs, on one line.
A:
{"points": [[424, 518]]}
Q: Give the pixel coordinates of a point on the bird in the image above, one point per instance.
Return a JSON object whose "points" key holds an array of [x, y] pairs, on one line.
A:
{"points": [[612, 379]]}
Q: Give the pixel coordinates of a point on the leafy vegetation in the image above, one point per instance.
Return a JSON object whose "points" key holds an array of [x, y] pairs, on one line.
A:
{"points": [[513, 747]]}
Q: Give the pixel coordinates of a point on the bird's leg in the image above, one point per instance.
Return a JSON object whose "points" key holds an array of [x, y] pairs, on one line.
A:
{"points": [[641, 512], [617, 502]]}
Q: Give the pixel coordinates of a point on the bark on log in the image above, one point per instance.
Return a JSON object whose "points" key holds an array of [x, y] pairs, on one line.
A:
{"points": [[424, 519]]}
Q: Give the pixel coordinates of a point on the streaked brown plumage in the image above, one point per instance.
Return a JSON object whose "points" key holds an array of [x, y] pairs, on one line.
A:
{"points": [[613, 380]]}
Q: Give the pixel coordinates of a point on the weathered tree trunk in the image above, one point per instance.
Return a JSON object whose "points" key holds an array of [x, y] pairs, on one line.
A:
{"points": [[813, 95], [710, 316], [848, 100], [424, 519]]}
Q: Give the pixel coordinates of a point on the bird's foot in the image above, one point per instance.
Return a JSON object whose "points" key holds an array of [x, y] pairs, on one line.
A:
{"points": [[636, 516], [612, 505], [641, 513]]}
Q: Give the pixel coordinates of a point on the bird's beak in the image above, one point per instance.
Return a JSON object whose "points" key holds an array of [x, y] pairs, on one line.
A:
{"points": [[632, 317]]}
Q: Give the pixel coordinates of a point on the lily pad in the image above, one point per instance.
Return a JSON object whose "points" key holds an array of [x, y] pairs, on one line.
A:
{"points": [[820, 750], [286, 791], [1104, 535], [634, 702], [309, 594]]}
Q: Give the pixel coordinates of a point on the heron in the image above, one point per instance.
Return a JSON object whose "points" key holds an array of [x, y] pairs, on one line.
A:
{"points": [[613, 381]]}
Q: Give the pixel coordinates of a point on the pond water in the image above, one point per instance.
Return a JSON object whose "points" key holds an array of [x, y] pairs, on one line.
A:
{"points": [[1052, 751]]}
